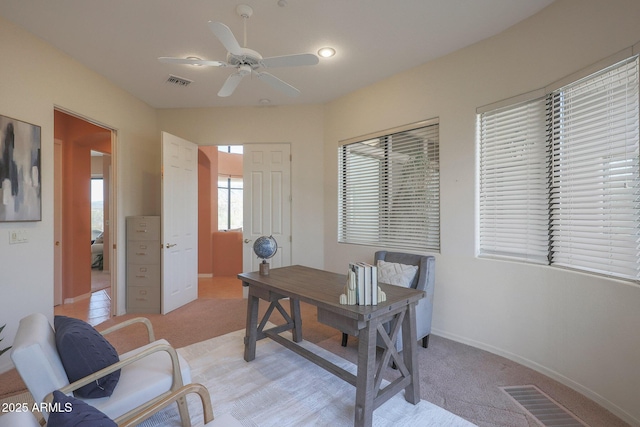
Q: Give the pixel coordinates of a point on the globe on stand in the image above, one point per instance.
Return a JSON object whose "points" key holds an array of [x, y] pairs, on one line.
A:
{"points": [[265, 248]]}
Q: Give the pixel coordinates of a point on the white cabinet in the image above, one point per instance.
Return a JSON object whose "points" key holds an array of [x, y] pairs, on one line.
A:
{"points": [[143, 264]]}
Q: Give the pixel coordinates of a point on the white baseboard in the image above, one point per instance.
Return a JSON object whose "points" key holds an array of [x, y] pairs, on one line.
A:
{"points": [[615, 409]]}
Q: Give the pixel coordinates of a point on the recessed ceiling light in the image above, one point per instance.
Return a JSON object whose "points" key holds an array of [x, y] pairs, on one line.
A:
{"points": [[327, 52], [265, 101]]}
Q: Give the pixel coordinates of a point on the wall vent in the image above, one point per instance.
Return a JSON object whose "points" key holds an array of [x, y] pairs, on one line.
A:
{"points": [[178, 81], [545, 410]]}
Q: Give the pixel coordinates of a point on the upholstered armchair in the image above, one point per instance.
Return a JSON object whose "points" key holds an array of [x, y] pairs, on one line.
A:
{"points": [[88, 413], [225, 420], [146, 375], [18, 419], [424, 280]]}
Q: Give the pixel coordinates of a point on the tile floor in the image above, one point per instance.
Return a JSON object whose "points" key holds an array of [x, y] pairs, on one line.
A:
{"points": [[97, 308], [94, 310]]}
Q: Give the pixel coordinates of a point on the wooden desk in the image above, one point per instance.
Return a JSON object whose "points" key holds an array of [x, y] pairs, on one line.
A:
{"points": [[322, 289]]}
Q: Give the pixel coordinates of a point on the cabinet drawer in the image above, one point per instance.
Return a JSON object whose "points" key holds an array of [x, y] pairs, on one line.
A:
{"points": [[143, 252], [143, 275], [144, 299], [143, 228]]}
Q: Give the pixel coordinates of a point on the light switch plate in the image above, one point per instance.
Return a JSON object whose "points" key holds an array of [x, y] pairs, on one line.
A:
{"points": [[17, 236]]}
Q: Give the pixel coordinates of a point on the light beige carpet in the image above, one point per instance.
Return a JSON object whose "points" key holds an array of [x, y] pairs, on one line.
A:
{"points": [[280, 388]]}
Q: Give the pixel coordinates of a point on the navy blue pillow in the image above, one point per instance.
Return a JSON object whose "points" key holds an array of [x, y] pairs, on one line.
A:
{"points": [[83, 351], [71, 412]]}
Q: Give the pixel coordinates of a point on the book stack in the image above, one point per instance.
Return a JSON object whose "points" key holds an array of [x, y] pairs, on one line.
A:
{"points": [[362, 285]]}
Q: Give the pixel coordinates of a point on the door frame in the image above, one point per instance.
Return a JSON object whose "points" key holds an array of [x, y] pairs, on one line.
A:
{"points": [[113, 211], [57, 221]]}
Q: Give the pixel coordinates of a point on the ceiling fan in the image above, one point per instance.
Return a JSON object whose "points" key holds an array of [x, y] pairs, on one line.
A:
{"points": [[246, 61]]}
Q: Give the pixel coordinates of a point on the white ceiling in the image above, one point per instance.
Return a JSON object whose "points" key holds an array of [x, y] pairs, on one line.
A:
{"points": [[122, 39]]}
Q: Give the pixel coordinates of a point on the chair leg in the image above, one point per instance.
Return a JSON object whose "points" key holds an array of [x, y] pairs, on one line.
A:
{"points": [[345, 337], [425, 341], [183, 409]]}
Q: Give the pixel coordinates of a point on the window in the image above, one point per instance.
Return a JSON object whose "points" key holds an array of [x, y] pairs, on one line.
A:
{"points": [[235, 149], [389, 189], [229, 203], [97, 207], [514, 211], [559, 178], [230, 187]]}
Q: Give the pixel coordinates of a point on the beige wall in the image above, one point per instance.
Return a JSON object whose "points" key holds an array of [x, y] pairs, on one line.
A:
{"points": [[35, 78], [578, 328]]}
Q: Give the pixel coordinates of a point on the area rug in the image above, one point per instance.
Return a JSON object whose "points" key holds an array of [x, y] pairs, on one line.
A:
{"points": [[281, 388]]}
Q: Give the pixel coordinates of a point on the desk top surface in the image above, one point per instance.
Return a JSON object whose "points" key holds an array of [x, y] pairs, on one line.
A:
{"points": [[323, 288]]}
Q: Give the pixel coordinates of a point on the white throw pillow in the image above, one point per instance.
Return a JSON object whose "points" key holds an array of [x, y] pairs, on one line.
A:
{"points": [[396, 274]]}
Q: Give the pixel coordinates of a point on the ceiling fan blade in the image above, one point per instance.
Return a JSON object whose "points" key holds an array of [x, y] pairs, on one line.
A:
{"points": [[278, 84], [226, 37], [290, 60], [186, 61], [231, 84]]}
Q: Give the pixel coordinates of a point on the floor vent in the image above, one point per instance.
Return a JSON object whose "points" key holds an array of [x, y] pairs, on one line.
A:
{"points": [[541, 407], [178, 81]]}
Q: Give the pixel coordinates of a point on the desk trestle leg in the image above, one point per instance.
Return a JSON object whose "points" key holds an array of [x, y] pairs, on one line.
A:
{"points": [[369, 394], [256, 332], [252, 331]]}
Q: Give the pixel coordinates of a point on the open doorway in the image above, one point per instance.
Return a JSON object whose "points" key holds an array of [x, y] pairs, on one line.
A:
{"points": [[100, 260], [83, 151], [220, 210]]}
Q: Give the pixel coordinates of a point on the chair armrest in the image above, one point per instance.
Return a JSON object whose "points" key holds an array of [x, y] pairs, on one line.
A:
{"points": [[130, 322], [176, 384], [199, 389]]}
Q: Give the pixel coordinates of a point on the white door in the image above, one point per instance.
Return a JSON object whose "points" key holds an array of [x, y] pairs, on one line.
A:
{"points": [[179, 222], [267, 201]]}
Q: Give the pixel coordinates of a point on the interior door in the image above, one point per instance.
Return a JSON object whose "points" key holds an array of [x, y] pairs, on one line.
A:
{"points": [[179, 221], [267, 201]]}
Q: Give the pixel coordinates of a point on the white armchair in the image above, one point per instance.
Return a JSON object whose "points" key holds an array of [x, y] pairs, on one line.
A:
{"points": [[225, 420], [26, 419], [148, 374], [18, 419]]}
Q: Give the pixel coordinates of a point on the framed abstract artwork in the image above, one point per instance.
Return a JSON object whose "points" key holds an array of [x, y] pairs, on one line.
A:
{"points": [[20, 186]]}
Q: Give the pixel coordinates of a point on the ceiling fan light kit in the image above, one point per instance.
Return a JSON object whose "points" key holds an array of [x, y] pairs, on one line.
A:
{"points": [[327, 52], [245, 60]]}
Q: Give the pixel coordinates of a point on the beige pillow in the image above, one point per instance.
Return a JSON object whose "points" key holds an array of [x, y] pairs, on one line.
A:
{"points": [[396, 274]]}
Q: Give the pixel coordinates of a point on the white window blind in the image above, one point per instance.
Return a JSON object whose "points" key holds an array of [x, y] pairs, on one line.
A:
{"points": [[514, 211], [595, 220], [389, 190], [559, 180]]}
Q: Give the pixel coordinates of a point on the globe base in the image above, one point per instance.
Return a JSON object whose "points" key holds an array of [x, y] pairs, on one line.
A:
{"points": [[264, 268]]}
